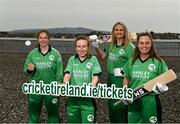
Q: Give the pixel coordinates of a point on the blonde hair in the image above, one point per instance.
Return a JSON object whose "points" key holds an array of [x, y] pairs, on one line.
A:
{"points": [[126, 35]]}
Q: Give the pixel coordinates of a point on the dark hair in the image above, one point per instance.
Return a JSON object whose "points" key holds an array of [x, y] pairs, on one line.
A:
{"points": [[82, 37], [43, 31], [152, 52]]}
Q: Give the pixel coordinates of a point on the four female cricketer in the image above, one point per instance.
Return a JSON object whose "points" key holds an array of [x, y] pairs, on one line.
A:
{"points": [[43, 63], [82, 68], [117, 53], [144, 66]]}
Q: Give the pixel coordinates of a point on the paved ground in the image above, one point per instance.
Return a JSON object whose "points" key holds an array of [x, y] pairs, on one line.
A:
{"points": [[13, 103]]}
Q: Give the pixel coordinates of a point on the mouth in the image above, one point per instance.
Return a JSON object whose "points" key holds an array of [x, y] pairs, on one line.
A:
{"points": [[144, 49]]}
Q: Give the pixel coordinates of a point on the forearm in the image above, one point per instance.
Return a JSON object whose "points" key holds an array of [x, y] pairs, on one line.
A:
{"points": [[126, 81], [66, 78], [95, 80], [100, 53]]}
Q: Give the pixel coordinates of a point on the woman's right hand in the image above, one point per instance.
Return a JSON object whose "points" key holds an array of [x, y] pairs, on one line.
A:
{"points": [[31, 67]]}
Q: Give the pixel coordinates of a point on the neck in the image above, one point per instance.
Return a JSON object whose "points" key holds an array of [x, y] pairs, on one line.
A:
{"points": [[44, 49], [144, 56], [82, 58], [119, 41]]}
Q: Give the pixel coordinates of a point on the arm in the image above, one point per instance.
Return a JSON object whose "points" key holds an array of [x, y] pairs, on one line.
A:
{"points": [[95, 80], [96, 71], [66, 78], [68, 71], [59, 69], [100, 54], [29, 67], [126, 81]]}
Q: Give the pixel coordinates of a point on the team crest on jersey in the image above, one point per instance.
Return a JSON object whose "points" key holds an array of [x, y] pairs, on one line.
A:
{"points": [[153, 119], [151, 67], [51, 57], [90, 118], [89, 65], [54, 101], [121, 51]]}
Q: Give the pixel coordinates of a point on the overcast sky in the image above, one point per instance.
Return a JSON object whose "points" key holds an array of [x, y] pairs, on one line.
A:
{"points": [[138, 15]]}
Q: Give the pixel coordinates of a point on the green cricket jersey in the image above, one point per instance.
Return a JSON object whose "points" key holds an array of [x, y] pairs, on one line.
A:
{"points": [[48, 67], [143, 71], [118, 56], [82, 71]]}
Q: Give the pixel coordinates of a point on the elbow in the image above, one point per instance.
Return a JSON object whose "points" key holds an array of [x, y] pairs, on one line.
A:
{"points": [[103, 57]]}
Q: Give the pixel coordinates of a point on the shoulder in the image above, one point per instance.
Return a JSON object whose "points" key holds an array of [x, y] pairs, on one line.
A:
{"points": [[55, 50], [72, 58], [131, 45], [34, 51], [92, 57]]}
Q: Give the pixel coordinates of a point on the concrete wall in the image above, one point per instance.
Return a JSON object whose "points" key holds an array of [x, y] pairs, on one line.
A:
{"points": [[16, 45]]}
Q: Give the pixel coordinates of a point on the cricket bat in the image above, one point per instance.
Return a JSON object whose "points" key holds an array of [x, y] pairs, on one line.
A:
{"points": [[146, 88]]}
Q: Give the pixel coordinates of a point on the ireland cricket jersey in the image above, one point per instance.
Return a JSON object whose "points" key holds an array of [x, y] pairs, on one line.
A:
{"points": [[142, 71], [148, 108], [48, 67], [118, 56], [79, 109], [82, 71]]}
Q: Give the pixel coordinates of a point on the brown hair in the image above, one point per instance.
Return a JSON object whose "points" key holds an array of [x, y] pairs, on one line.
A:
{"points": [[126, 36], [43, 31], [152, 52], [82, 37]]}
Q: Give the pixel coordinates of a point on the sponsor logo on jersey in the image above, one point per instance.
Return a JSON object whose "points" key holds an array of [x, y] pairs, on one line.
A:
{"points": [[51, 57], [121, 51], [54, 101], [90, 118], [36, 58], [151, 67], [70, 114], [89, 65], [74, 64], [153, 119]]}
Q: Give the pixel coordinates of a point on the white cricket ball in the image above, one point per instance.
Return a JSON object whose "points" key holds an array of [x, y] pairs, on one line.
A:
{"points": [[28, 43]]}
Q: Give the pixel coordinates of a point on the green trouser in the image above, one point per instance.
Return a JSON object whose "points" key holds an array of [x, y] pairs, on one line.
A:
{"points": [[35, 104], [80, 110], [145, 110], [118, 113]]}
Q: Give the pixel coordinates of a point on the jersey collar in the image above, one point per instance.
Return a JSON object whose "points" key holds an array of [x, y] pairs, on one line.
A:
{"points": [[144, 60], [49, 50], [88, 57], [119, 45]]}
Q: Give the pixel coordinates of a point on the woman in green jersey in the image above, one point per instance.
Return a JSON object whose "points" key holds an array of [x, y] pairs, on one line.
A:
{"points": [[117, 53], [82, 68], [43, 63], [144, 66]]}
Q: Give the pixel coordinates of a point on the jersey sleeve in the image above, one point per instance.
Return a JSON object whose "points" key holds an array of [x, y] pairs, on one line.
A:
{"points": [[127, 69], [96, 69], [162, 67], [106, 49], [68, 69], [28, 61], [59, 68], [131, 50]]}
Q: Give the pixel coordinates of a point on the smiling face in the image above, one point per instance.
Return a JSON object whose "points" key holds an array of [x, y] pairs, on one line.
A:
{"points": [[43, 39], [82, 48], [144, 45], [119, 31]]}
